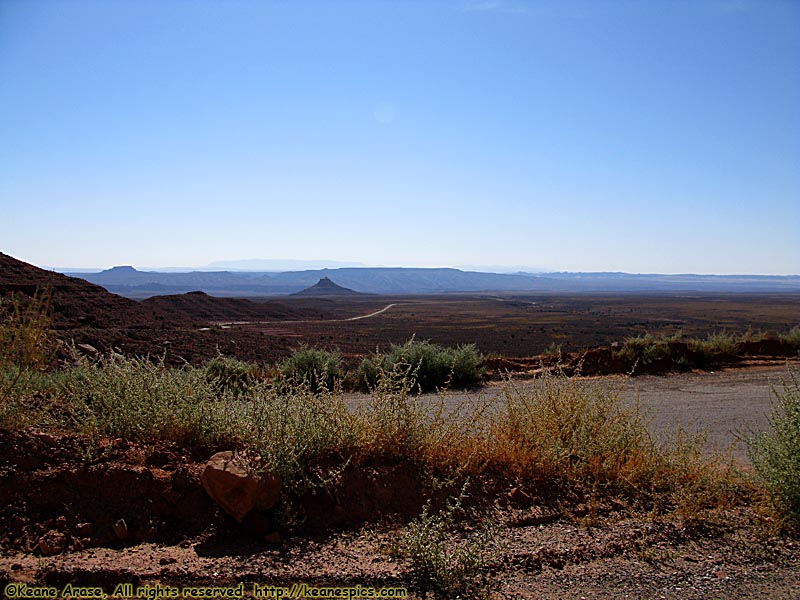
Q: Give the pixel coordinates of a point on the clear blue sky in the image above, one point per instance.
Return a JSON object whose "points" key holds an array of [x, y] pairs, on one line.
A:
{"points": [[633, 136]]}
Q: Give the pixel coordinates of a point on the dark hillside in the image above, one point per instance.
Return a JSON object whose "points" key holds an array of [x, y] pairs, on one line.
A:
{"points": [[201, 306], [84, 313], [75, 302]]}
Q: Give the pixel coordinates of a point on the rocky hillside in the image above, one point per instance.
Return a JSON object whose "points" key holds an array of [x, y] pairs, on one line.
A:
{"points": [[88, 315], [74, 302]]}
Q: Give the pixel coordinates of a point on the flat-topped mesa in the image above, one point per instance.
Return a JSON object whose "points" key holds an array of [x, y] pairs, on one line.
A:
{"points": [[121, 269], [327, 287]]}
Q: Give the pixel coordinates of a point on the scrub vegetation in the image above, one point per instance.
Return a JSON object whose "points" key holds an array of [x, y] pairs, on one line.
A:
{"points": [[564, 434], [562, 431]]}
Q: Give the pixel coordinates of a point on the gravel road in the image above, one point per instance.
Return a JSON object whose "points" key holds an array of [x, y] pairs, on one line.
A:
{"points": [[719, 403]]}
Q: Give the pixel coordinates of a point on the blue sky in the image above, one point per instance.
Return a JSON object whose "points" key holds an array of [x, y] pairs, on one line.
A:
{"points": [[625, 136]]}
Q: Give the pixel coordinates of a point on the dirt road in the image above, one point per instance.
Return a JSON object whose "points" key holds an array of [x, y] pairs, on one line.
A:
{"points": [[723, 404], [377, 312]]}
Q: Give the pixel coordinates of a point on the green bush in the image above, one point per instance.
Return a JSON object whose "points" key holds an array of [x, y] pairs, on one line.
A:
{"points": [[139, 399], [718, 343], [229, 374], [293, 429], [647, 348], [317, 369], [792, 337], [552, 350], [776, 453], [429, 366]]}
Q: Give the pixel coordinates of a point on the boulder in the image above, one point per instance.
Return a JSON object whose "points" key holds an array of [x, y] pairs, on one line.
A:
{"points": [[236, 489]]}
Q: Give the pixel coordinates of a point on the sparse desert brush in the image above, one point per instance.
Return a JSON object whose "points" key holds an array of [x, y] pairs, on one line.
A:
{"points": [[565, 428], [647, 348], [230, 374], [27, 350], [751, 335], [776, 453], [318, 369], [140, 399], [293, 427], [396, 420], [792, 337], [718, 343], [25, 338], [559, 429], [689, 481], [553, 349], [580, 432], [429, 365], [449, 562]]}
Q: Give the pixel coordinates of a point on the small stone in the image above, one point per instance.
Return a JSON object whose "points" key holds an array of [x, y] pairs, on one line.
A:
{"points": [[52, 543], [167, 560], [121, 529], [83, 529]]}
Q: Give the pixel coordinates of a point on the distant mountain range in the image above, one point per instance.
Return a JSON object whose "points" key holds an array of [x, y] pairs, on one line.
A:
{"points": [[132, 283]]}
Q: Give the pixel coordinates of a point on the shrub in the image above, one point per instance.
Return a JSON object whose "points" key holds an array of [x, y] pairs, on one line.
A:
{"points": [[428, 366], [718, 343], [139, 399], [573, 430], [27, 350], [792, 337], [453, 567], [25, 338], [552, 350], [431, 430], [317, 369], [776, 453], [292, 428], [229, 374], [647, 348]]}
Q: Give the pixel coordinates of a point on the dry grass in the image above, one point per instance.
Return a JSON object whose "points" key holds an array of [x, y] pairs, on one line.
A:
{"points": [[563, 430], [776, 453]]}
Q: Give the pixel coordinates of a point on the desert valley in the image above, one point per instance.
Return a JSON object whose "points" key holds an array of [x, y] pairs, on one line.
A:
{"points": [[111, 442]]}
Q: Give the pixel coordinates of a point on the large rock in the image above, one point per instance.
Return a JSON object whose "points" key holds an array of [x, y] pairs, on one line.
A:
{"points": [[239, 492]]}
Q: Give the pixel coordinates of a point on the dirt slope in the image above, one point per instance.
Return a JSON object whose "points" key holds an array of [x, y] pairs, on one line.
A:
{"points": [[75, 302], [85, 313]]}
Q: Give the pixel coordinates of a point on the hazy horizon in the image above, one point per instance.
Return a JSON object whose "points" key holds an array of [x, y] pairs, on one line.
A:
{"points": [[311, 265], [652, 137]]}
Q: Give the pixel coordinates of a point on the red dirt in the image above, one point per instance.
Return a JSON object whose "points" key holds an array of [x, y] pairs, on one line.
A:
{"points": [[553, 544]]}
